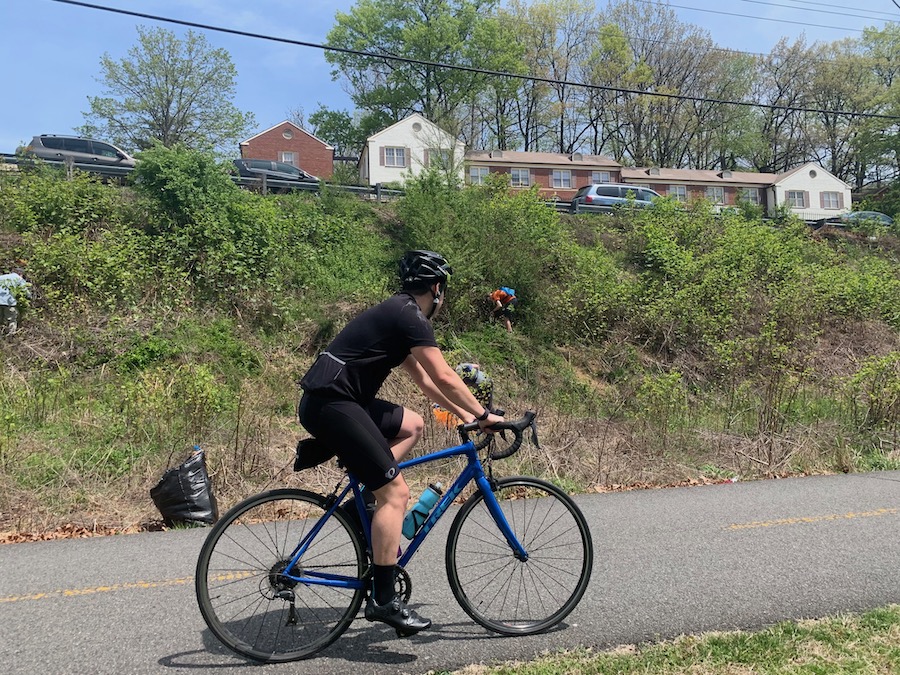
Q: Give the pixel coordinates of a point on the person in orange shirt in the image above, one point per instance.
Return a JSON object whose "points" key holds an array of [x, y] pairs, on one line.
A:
{"points": [[504, 300]]}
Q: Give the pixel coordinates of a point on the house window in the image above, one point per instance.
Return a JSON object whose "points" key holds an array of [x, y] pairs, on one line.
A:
{"points": [[478, 174], [439, 157], [562, 178], [288, 158], [831, 200], [796, 199], [287, 134], [519, 177], [599, 176], [749, 195], [395, 157], [679, 192], [715, 194]]}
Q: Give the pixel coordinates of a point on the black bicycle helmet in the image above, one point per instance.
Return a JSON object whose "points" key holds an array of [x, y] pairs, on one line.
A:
{"points": [[418, 268]]}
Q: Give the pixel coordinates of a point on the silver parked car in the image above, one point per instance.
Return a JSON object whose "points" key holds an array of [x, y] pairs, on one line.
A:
{"points": [[612, 194], [857, 217], [80, 150]]}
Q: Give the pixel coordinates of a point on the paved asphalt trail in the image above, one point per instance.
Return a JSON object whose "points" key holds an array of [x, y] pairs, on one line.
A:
{"points": [[672, 561]]}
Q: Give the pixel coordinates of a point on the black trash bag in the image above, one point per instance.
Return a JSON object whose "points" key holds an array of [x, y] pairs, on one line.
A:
{"points": [[184, 494], [311, 452]]}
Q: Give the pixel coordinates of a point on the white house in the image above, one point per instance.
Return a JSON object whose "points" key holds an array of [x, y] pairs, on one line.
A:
{"points": [[406, 148], [812, 193]]}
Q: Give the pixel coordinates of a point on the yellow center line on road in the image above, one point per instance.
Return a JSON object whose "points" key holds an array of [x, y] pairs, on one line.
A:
{"points": [[812, 519], [75, 592]]}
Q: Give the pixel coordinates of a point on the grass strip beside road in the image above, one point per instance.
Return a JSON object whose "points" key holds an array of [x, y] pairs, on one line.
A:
{"points": [[861, 643]]}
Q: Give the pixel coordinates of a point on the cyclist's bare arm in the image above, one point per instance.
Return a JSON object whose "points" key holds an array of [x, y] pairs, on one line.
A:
{"points": [[431, 372]]}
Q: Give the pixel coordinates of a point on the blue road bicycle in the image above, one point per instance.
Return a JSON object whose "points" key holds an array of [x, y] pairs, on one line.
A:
{"points": [[283, 574]]}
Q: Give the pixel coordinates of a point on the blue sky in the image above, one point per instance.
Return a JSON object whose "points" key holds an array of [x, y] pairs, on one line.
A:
{"points": [[51, 51]]}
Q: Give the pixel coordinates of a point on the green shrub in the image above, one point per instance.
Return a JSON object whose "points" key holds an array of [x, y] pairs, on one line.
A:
{"points": [[874, 392], [45, 201]]}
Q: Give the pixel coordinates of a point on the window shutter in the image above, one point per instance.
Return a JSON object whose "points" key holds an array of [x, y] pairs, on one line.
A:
{"points": [[806, 199], [821, 200], [406, 158], [840, 199], [381, 156], [427, 158]]}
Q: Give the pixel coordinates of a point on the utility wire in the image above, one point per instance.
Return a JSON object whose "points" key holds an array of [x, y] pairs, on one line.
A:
{"points": [[818, 11], [743, 16], [470, 69], [828, 4]]}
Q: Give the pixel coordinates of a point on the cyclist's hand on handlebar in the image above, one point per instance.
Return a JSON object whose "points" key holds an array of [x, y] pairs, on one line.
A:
{"points": [[491, 420]]}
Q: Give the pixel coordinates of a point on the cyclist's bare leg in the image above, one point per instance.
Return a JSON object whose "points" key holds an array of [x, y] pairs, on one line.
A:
{"points": [[411, 430], [387, 521]]}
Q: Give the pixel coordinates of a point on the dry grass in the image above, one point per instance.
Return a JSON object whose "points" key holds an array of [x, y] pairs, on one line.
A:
{"points": [[253, 449]]}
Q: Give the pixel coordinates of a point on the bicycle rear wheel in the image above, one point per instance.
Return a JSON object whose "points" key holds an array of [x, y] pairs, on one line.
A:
{"points": [[245, 599], [511, 596]]}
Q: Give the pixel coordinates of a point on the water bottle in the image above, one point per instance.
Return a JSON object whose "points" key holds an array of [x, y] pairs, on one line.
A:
{"points": [[418, 514]]}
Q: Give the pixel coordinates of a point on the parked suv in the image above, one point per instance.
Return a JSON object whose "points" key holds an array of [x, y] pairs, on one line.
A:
{"points": [[81, 150], [612, 194], [256, 168]]}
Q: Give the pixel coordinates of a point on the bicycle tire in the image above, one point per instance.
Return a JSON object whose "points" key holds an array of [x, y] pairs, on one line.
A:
{"points": [[237, 577], [514, 597]]}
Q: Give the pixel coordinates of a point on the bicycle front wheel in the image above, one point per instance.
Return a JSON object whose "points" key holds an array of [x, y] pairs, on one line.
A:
{"points": [[511, 596], [246, 600]]}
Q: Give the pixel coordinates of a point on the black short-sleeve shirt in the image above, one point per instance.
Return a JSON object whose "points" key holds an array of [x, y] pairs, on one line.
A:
{"points": [[359, 359]]}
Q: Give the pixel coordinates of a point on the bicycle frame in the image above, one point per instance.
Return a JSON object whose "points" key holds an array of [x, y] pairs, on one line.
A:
{"points": [[473, 471]]}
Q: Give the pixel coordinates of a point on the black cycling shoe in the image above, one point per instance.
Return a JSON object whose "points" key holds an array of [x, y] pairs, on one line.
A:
{"points": [[397, 614]]}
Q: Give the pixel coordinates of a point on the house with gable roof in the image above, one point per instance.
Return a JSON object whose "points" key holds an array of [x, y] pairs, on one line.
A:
{"points": [[811, 192], [292, 144], [406, 148]]}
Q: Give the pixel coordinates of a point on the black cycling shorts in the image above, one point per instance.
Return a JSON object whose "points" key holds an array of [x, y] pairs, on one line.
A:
{"points": [[358, 435], [509, 308]]}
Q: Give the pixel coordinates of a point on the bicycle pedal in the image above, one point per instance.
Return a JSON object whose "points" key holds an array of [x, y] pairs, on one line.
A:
{"points": [[405, 633]]}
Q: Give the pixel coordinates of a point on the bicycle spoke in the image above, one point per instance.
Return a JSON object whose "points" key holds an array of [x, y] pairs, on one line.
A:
{"points": [[493, 586], [251, 597]]}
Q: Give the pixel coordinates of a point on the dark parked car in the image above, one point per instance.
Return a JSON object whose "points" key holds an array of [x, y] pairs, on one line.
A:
{"points": [[612, 194], [80, 150], [256, 168]]}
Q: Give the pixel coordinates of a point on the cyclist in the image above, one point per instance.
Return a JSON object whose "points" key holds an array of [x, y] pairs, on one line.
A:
{"points": [[503, 304], [339, 407]]}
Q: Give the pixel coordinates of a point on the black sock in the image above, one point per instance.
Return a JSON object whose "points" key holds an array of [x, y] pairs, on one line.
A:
{"points": [[382, 583]]}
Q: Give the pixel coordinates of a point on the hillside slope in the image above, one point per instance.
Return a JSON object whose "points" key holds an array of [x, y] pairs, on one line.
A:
{"points": [[669, 345]]}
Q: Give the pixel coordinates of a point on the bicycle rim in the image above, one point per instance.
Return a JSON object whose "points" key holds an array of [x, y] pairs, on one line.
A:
{"points": [[514, 597], [238, 577]]}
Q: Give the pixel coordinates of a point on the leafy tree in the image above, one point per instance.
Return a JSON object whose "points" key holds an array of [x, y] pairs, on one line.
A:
{"points": [[435, 31], [784, 77], [170, 90], [339, 129], [843, 82], [880, 143]]}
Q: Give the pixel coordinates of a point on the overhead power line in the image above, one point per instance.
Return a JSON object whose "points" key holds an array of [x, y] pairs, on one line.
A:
{"points": [[855, 15], [470, 69], [890, 15], [743, 16]]}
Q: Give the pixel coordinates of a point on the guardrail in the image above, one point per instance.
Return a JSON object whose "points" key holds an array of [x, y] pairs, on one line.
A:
{"points": [[263, 184]]}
